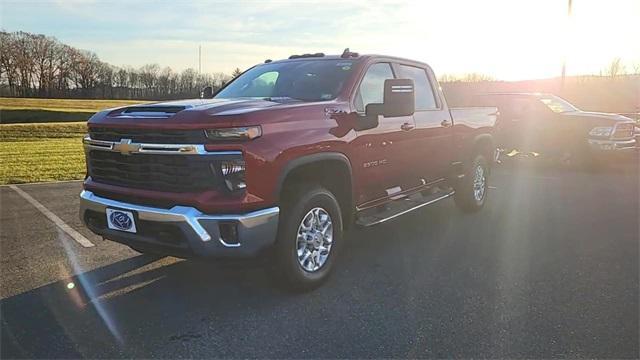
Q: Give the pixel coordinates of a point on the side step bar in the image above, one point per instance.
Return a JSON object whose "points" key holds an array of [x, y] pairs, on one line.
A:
{"points": [[399, 207]]}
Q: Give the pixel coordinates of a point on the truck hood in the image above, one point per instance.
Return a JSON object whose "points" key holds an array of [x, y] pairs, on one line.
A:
{"points": [[197, 112], [208, 106], [596, 118]]}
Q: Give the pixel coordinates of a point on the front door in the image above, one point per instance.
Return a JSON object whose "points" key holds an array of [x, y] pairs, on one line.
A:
{"points": [[381, 164]]}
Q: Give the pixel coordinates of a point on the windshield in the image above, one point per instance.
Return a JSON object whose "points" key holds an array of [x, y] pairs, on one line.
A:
{"points": [[309, 80], [558, 105]]}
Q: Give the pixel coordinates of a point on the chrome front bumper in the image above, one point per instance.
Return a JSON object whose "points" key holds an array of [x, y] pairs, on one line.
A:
{"points": [[612, 145], [200, 234]]}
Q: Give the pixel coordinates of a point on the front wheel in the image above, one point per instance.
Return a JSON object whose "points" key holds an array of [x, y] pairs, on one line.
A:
{"points": [[471, 192], [309, 237]]}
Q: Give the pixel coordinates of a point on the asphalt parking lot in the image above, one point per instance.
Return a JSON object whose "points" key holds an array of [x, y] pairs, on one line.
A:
{"points": [[549, 268]]}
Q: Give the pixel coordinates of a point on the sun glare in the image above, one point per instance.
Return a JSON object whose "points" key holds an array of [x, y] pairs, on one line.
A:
{"points": [[514, 40]]}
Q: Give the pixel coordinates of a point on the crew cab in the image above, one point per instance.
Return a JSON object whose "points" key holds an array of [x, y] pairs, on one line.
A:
{"points": [[279, 162], [550, 126]]}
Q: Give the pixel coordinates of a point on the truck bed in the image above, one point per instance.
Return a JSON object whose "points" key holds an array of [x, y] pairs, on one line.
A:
{"points": [[475, 117]]}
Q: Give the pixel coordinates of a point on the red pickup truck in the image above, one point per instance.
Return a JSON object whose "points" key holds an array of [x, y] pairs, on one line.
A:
{"points": [[280, 161]]}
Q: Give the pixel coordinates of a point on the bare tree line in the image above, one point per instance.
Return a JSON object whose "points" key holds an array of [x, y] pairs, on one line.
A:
{"points": [[614, 69], [469, 77], [34, 65]]}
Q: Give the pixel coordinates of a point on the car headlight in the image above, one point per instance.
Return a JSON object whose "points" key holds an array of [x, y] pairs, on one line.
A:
{"points": [[233, 173], [235, 133], [601, 131]]}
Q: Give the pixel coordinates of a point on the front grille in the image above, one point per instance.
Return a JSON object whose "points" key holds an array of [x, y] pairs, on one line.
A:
{"points": [[138, 200], [149, 136], [171, 173], [623, 131]]}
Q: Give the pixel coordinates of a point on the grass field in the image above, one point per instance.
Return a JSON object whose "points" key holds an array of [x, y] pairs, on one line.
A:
{"points": [[41, 152], [27, 110], [41, 139]]}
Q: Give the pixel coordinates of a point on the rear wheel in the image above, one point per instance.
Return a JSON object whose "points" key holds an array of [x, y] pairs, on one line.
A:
{"points": [[309, 237], [471, 192]]}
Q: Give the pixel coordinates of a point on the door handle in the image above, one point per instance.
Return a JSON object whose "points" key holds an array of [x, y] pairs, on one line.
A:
{"points": [[445, 123], [407, 126]]}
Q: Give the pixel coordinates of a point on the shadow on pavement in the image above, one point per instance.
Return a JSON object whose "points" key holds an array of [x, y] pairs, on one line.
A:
{"points": [[61, 320]]}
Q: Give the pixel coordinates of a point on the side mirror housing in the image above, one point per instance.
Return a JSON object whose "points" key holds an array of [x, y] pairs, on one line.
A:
{"points": [[399, 100], [206, 93]]}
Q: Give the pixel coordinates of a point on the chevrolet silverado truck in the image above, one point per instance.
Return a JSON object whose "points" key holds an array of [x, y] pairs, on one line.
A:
{"points": [[547, 125], [280, 161]]}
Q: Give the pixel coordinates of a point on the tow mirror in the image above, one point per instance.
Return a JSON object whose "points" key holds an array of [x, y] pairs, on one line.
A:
{"points": [[399, 100], [206, 93]]}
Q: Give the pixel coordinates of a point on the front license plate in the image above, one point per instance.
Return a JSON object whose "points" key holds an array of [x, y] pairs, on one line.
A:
{"points": [[121, 220]]}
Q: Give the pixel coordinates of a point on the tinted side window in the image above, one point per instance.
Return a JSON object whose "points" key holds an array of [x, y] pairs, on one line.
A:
{"points": [[424, 93], [371, 89]]}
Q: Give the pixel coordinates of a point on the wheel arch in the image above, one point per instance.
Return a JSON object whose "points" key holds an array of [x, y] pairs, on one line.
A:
{"points": [[330, 169]]}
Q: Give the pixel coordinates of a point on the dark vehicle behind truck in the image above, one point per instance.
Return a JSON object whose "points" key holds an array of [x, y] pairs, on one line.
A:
{"points": [[551, 126], [282, 160]]}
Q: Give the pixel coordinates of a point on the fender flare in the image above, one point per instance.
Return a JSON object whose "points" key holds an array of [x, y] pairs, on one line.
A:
{"points": [[310, 159]]}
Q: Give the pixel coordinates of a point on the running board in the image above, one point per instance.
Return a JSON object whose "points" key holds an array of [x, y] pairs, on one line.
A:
{"points": [[399, 207]]}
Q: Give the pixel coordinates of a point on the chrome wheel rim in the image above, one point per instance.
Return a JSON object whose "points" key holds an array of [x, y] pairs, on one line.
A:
{"points": [[314, 239], [479, 183]]}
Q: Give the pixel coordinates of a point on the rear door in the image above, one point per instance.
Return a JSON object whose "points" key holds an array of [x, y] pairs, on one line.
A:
{"points": [[432, 139], [381, 155]]}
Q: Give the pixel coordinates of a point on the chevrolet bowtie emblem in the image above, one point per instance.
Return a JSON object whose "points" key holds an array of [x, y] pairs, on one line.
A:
{"points": [[125, 147]]}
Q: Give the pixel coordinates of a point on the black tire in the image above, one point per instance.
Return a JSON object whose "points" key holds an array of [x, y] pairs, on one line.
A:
{"points": [[296, 205], [465, 196]]}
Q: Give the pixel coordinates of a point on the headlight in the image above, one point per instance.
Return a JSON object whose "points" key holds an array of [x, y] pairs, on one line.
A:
{"points": [[234, 134], [233, 172], [601, 131]]}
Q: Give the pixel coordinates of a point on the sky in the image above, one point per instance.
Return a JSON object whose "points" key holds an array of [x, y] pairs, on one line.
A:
{"points": [[505, 39]]}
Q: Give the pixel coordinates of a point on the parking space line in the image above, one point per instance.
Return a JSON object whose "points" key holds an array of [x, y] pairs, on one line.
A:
{"points": [[54, 218]]}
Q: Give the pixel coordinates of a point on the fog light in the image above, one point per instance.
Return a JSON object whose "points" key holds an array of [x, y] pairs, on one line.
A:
{"points": [[229, 234]]}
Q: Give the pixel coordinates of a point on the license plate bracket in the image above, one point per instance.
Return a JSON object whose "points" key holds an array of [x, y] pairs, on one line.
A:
{"points": [[121, 220]]}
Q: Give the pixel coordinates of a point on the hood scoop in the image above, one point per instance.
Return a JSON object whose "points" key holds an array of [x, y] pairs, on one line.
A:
{"points": [[159, 111]]}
